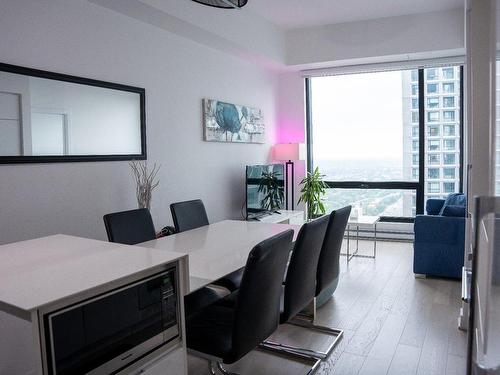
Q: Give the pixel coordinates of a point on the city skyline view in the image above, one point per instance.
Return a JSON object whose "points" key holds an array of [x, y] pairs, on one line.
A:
{"points": [[373, 118], [365, 128]]}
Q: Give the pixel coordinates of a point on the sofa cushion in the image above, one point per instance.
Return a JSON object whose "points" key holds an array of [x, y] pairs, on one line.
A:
{"points": [[433, 206], [454, 199], [454, 211]]}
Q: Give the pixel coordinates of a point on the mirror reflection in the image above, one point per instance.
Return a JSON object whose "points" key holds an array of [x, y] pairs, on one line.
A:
{"points": [[48, 117]]}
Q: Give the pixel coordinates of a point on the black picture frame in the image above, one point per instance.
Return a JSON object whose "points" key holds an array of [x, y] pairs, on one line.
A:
{"points": [[83, 81]]}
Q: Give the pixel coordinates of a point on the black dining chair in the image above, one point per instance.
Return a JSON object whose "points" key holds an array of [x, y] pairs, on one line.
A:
{"points": [[329, 260], [224, 333], [327, 277], [189, 215], [130, 227], [300, 282], [135, 226]]}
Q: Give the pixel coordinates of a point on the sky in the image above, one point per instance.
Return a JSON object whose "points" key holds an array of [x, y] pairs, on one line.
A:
{"points": [[358, 117]]}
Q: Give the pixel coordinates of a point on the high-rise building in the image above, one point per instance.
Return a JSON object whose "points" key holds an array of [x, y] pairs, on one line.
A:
{"points": [[442, 132]]}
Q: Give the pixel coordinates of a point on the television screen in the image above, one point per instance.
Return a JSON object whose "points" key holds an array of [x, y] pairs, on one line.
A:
{"points": [[265, 189]]}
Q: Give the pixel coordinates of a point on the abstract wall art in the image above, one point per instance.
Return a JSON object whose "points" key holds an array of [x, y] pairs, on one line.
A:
{"points": [[226, 122]]}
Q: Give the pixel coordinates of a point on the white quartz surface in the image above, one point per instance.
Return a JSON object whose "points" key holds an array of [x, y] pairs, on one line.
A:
{"points": [[41, 271], [363, 220], [294, 217], [218, 249]]}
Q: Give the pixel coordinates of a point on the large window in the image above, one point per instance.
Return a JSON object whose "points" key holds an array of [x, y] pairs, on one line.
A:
{"points": [[364, 135]]}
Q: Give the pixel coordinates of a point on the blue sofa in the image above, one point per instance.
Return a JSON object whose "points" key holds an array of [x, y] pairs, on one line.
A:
{"points": [[440, 238]]}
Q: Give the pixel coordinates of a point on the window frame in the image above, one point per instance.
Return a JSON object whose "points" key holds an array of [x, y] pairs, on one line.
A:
{"points": [[417, 186]]}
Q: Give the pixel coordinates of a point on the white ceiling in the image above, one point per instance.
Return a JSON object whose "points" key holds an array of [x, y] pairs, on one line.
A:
{"points": [[292, 14]]}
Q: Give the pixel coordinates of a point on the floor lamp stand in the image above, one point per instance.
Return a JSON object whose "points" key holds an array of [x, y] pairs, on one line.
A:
{"points": [[287, 164]]}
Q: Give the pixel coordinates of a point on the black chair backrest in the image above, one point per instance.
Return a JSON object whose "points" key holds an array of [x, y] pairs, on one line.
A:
{"points": [[258, 302], [188, 215], [130, 227], [328, 264], [300, 282]]}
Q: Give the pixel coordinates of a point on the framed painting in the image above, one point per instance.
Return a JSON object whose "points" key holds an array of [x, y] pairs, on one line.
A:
{"points": [[226, 122]]}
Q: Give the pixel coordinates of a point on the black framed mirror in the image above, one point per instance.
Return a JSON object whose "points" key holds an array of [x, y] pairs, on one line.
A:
{"points": [[48, 117]]}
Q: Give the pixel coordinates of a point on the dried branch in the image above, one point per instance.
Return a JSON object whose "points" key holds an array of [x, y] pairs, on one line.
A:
{"points": [[145, 181]]}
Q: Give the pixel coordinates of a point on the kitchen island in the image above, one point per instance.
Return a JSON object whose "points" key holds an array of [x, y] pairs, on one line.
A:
{"points": [[40, 278]]}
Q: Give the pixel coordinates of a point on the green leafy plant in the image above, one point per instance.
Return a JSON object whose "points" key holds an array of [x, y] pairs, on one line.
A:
{"points": [[313, 190], [270, 186]]}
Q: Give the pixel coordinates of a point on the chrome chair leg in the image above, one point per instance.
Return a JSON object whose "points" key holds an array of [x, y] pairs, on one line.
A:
{"points": [[223, 370], [336, 333], [282, 351], [212, 367], [307, 321], [291, 348]]}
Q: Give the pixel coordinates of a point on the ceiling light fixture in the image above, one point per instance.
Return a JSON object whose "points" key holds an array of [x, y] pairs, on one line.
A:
{"points": [[226, 4]]}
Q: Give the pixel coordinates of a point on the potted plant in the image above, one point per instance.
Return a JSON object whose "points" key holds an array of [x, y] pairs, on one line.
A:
{"points": [[313, 190], [273, 191]]}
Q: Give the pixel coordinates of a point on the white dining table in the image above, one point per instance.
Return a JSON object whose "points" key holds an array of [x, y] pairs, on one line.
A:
{"points": [[218, 249]]}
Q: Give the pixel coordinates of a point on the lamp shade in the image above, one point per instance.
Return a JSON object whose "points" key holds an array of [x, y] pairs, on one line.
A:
{"points": [[289, 151]]}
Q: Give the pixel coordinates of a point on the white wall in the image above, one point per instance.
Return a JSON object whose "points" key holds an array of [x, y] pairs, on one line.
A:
{"points": [[239, 32], [291, 121], [79, 38], [418, 35]]}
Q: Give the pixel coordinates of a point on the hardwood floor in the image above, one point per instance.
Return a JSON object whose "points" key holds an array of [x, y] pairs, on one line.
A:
{"points": [[393, 323]]}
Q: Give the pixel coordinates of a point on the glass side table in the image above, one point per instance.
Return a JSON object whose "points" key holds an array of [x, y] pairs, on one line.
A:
{"points": [[361, 221]]}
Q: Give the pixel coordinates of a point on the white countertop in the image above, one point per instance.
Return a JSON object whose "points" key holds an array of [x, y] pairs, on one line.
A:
{"points": [[283, 215], [363, 220], [38, 272], [217, 249]]}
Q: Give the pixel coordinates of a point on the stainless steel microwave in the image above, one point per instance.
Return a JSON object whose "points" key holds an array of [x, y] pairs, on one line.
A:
{"points": [[109, 332]]}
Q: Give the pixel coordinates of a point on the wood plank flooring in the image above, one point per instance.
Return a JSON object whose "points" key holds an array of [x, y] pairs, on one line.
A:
{"points": [[393, 323]]}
